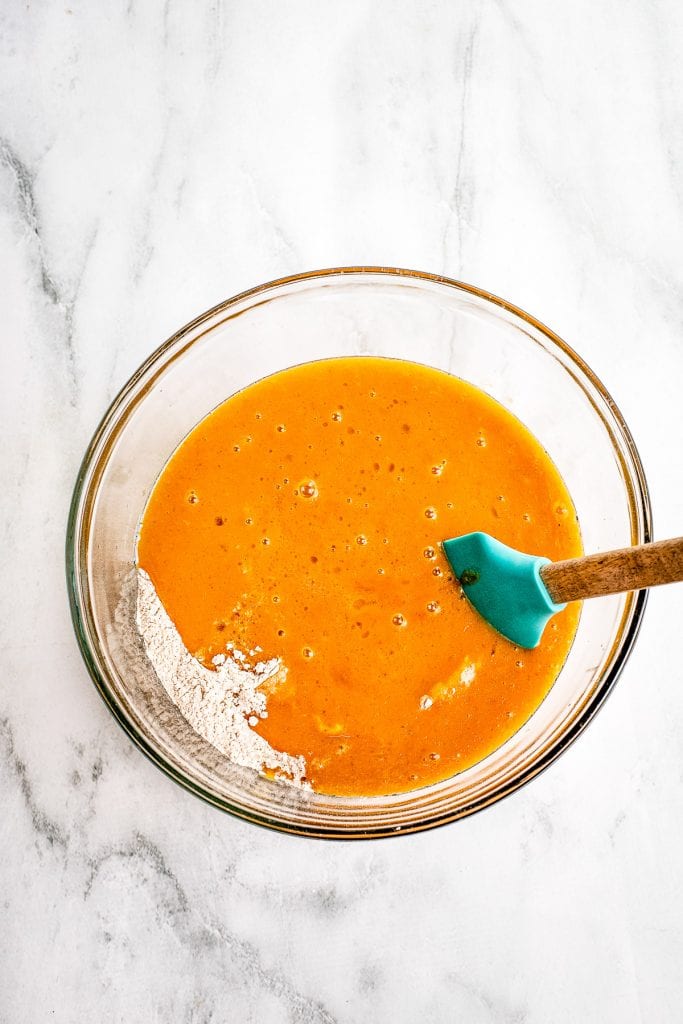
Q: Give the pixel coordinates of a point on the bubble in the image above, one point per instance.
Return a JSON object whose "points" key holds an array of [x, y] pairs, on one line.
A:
{"points": [[266, 541], [337, 417], [425, 702], [519, 664], [385, 540], [361, 539], [449, 504], [430, 512], [235, 447], [562, 511], [429, 553], [276, 599], [280, 632], [501, 497], [192, 498], [436, 571], [399, 620], [438, 469], [373, 394], [481, 441], [248, 439], [308, 652], [434, 607], [435, 757], [248, 521], [380, 572], [308, 489], [349, 501], [281, 428], [378, 437], [526, 517]]}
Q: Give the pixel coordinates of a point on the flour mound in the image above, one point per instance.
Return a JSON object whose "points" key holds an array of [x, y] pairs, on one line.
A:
{"points": [[218, 705]]}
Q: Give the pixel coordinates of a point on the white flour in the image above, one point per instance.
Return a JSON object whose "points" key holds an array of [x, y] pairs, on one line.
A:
{"points": [[222, 706]]}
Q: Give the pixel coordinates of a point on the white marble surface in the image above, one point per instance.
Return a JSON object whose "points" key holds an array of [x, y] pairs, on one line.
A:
{"points": [[156, 157]]}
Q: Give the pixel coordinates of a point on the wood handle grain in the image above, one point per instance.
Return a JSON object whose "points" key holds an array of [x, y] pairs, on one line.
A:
{"points": [[614, 572]]}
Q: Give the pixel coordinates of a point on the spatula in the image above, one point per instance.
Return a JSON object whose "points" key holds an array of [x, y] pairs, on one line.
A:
{"points": [[517, 593]]}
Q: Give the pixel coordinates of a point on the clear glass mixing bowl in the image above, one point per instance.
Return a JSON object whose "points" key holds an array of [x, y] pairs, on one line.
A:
{"points": [[351, 311]]}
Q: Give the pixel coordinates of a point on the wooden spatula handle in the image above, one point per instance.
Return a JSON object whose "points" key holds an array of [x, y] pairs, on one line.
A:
{"points": [[614, 572]]}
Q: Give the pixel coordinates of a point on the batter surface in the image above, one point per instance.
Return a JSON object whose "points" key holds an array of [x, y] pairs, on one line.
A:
{"points": [[301, 520]]}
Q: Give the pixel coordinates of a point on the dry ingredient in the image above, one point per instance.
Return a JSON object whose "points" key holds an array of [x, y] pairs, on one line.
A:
{"points": [[223, 705]]}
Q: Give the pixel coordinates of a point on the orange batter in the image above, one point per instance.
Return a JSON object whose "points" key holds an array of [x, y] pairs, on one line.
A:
{"points": [[303, 517]]}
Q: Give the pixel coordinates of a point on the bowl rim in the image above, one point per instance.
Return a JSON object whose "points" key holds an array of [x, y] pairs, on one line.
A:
{"points": [[641, 516]]}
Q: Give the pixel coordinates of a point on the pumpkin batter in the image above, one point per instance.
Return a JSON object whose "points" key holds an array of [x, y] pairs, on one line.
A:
{"points": [[302, 518]]}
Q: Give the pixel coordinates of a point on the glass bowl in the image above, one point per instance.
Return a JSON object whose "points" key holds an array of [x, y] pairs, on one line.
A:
{"points": [[351, 311]]}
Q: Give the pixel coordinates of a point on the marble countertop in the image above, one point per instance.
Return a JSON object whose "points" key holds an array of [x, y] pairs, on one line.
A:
{"points": [[157, 157]]}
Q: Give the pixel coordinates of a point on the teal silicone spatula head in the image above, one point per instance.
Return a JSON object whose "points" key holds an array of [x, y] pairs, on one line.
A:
{"points": [[503, 585]]}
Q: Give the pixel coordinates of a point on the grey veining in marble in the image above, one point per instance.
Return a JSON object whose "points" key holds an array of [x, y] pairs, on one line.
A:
{"points": [[158, 156]]}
